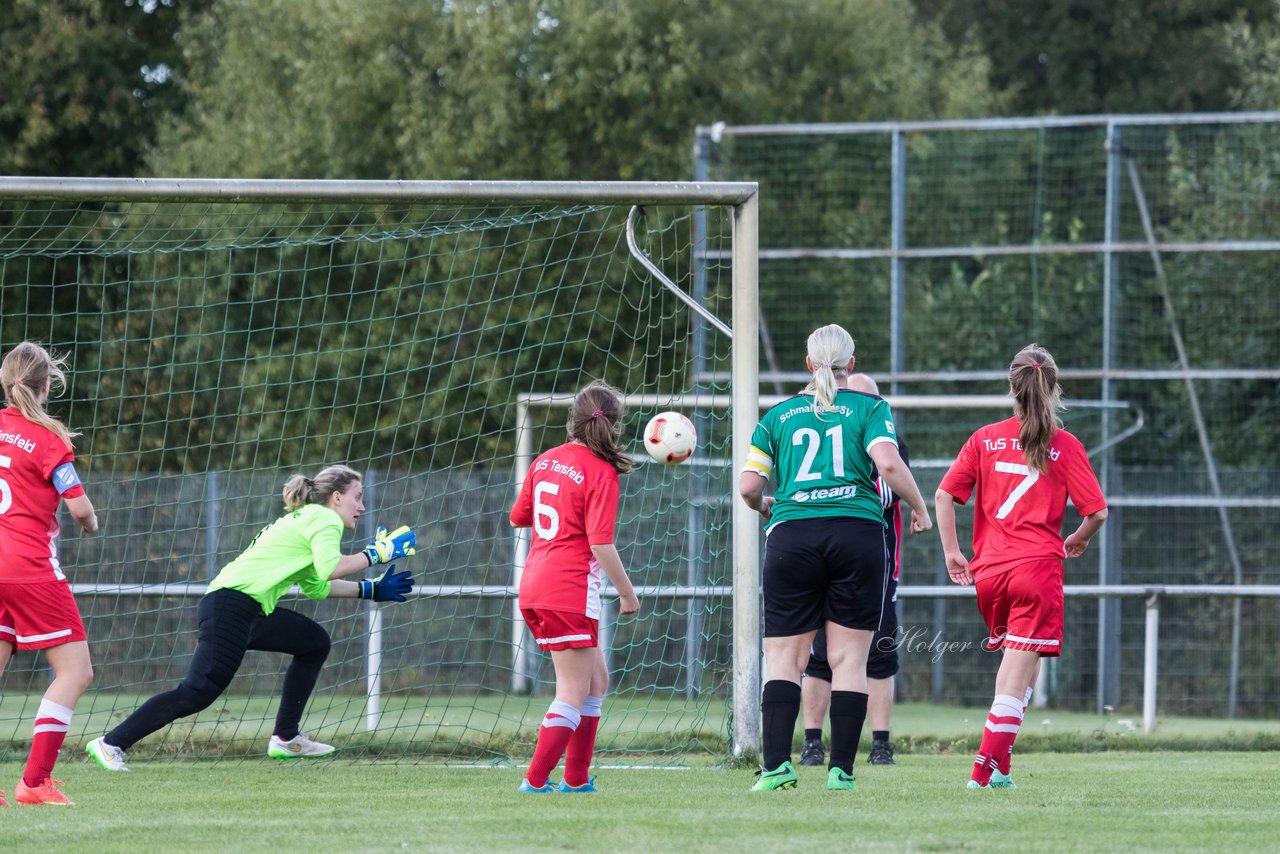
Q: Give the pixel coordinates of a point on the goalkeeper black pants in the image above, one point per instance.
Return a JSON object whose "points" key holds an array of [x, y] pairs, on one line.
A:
{"points": [[231, 623]]}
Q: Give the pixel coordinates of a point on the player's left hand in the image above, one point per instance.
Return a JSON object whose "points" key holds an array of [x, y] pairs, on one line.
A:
{"points": [[387, 547]]}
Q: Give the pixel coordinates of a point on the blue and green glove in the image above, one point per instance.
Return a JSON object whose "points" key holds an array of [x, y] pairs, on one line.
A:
{"points": [[387, 547], [391, 587]]}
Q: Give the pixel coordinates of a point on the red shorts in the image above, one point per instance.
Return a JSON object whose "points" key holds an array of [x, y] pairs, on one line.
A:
{"points": [[561, 629], [1023, 607], [39, 615]]}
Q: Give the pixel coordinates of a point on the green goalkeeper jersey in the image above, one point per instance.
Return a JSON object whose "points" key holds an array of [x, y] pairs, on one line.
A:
{"points": [[302, 547], [821, 463]]}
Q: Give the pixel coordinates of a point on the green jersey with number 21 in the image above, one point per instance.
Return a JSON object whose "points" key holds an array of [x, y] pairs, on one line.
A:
{"points": [[820, 462]]}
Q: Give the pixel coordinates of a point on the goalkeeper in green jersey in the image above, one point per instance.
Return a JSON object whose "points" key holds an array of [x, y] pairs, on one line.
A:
{"points": [[239, 612], [826, 561]]}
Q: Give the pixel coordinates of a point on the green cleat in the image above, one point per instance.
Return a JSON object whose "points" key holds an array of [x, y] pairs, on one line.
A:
{"points": [[782, 777], [111, 758], [974, 784], [1002, 781], [527, 788], [838, 780]]}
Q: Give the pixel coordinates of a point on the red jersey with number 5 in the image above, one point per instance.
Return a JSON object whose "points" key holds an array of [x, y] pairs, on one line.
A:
{"points": [[1018, 513], [570, 499], [36, 471]]}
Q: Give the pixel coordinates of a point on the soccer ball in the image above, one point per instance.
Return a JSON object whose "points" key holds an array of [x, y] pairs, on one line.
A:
{"points": [[669, 437]]}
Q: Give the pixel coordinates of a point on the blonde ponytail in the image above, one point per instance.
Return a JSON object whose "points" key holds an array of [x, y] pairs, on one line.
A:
{"points": [[830, 349], [300, 490], [23, 375]]}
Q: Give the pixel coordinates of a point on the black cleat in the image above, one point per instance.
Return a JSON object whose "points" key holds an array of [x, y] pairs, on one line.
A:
{"points": [[812, 752], [881, 753]]}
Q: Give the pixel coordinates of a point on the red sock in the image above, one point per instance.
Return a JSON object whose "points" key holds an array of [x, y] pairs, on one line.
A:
{"points": [[577, 758], [997, 738], [52, 722], [553, 737]]}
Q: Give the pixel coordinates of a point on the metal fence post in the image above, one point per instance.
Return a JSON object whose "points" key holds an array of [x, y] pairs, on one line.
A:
{"points": [[373, 623], [1150, 657]]}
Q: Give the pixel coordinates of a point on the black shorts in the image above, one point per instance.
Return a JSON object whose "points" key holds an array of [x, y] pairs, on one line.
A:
{"points": [[817, 570], [882, 660]]}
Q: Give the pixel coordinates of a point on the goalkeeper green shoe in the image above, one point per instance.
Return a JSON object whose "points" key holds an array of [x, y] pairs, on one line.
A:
{"points": [[111, 758], [1002, 781], [782, 777], [527, 789], [589, 786], [838, 780]]}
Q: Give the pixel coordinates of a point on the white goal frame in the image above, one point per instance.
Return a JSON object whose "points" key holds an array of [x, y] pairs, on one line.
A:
{"points": [[741, 197]]}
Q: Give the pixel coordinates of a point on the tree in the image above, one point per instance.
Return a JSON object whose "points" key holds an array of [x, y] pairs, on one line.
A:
{"points": [[552, 90], [1099, 56], [82, 83]]}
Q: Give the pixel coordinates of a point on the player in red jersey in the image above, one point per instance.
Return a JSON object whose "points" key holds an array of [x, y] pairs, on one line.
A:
{"points": [[570, 499], [37, 611], [1022, 470]]}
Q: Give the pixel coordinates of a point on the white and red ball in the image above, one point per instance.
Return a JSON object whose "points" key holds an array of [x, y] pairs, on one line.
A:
{"points": [[670, 438]]}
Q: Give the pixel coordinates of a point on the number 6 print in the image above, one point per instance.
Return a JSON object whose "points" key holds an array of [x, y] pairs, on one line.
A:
{"points": [[1028, 478], [542, 511]]}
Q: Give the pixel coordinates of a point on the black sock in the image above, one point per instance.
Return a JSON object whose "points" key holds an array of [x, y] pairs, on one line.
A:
{"points": [[848, 713], [780, 706], [813, 734], [880, 735]]}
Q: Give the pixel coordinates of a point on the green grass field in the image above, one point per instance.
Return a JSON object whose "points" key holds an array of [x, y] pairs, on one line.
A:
{"points": [[1118, 801], [1086, 782]]}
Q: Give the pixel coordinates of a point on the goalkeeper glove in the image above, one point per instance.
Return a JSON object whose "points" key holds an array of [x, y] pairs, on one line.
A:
{"points": [[391, 587], [387, 547]]}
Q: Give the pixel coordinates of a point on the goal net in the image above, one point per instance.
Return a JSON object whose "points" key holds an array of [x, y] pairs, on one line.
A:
{"points": [[224, 335]]}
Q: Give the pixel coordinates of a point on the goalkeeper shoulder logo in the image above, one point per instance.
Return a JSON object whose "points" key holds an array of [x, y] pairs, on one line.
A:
{"points": [[836, 493]]}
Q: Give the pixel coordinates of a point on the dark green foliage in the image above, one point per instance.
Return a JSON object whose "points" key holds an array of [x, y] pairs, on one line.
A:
{"points": [[1098, 56]]}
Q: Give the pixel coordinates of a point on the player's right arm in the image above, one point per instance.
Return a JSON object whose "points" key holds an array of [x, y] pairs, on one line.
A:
{"points": [[606, 554], [599, 524], [1086, 495]]}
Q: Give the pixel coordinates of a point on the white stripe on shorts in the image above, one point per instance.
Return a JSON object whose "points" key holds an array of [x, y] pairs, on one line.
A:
{"points": [[38, 638], [1036, 641], [563, 639]]}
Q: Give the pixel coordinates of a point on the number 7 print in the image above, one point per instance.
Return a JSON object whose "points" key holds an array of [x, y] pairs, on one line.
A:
{"points": [[1028, 478]]}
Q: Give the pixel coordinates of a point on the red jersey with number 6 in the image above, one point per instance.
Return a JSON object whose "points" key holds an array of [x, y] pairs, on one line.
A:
{"points": [[570, 499], [1018, 513], [36, 471]]}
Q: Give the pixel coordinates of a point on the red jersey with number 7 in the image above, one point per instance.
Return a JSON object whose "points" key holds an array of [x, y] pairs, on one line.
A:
{"points": [[1018, 513], [570, 499], [36, 471]]}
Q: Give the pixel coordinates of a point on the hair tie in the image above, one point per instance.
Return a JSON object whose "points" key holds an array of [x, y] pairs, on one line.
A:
{"points": [[597, 414], [1037, 365]]}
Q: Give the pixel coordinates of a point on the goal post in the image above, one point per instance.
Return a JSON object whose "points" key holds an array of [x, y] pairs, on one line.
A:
{"points": [[224, 334]]}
